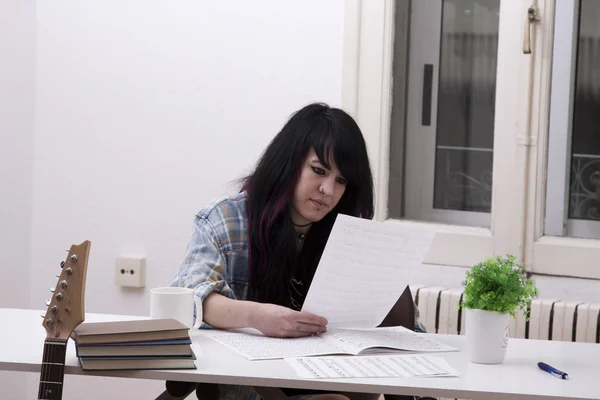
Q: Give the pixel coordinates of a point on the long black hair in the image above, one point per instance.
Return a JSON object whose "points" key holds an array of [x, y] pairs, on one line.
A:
{"points": [[273, 250]]}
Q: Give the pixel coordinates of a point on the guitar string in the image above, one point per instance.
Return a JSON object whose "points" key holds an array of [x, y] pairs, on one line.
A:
{"points": [[54, 351], [56, 394], [46, 368], [47, 394], [66, 297], [43, 385], [51, 367], [49, 353], [51, 382]]}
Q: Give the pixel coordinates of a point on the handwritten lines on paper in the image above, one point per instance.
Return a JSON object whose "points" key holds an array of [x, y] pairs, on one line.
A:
{"points": [[363, 271], [365, 242]]}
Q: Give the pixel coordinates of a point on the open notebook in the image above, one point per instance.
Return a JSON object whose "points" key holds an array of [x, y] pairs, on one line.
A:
{"points": [[364, 268], [255, 346]]}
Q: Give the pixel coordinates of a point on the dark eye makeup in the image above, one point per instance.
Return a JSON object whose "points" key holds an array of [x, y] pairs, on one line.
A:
{"points": [[317, 170], [321, 171]]}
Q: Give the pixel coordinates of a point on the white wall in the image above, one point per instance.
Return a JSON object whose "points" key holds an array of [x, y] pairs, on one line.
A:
{"points": [[17, 64], [142, 115], [145, 113]]}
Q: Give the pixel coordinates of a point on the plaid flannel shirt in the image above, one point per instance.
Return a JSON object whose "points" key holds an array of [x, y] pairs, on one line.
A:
{"points": [[216, 260]]}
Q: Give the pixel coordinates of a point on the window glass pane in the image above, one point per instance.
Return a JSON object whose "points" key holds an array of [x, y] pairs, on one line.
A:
{"points": [[584, 190], [465, 117]]}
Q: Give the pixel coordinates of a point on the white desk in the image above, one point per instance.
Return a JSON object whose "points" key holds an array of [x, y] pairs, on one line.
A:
{"points": [[518, 378]]}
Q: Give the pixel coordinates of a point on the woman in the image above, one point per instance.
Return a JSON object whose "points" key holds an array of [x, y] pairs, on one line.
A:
{"points": [[251, 257]]}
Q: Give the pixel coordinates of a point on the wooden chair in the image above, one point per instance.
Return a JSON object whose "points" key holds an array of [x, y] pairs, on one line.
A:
{"points": [[401, 314]]}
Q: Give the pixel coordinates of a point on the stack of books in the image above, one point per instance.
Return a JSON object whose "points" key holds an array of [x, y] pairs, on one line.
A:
{"points": [[138, 344]]}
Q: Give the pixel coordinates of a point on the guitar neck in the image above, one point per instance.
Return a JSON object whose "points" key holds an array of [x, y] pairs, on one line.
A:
{"points": [[53, 369]]}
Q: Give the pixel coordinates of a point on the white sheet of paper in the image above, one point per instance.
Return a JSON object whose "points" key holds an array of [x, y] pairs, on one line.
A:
{"points": [[355, 341], [403, 366], [365, 267], [258, 347]]}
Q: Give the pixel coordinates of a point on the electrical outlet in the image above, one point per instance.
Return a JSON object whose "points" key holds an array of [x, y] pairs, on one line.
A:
{"points": [[130, 271]]}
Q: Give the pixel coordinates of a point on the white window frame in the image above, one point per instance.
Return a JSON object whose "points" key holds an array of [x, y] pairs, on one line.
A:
{"points": [[557, 222], [550, 253], [366, 94], [561, 118]]}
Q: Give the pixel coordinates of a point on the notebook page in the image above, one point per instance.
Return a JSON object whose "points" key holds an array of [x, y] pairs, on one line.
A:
{"points": [[355, 341], [259, 347], [402, 366]]}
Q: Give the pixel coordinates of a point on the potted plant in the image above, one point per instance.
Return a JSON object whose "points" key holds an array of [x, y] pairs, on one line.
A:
{"points": [[493, 291]]}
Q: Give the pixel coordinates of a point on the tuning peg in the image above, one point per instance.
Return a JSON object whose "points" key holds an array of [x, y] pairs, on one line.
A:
{"points": [[58, 275], [52, 289], [62, 264], [48, 302], [43, 315]]}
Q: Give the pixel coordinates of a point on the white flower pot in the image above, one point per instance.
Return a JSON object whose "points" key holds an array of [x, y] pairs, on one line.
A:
{"points": [[487, 336]]}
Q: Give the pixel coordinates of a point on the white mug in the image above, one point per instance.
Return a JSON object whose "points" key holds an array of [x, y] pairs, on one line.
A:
{"points": [[177, 303]]}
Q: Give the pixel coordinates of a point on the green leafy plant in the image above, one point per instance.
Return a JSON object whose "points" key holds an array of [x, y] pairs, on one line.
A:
{"points": [[498, 284]]}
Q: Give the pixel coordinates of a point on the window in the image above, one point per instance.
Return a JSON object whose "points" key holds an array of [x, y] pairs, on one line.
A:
{"points": [[447, 146], [425, 79], [573, 207], [566, 240]]}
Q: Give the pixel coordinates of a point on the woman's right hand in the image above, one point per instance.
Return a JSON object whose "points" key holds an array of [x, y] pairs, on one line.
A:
{"points": [[277, 321]]}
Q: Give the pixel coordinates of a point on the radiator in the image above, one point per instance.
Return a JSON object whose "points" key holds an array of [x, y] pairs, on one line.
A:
{"points": [[549, 319]]}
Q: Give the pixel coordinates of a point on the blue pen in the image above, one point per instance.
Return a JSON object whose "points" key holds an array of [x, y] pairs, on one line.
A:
{"points": [[553, 371]]}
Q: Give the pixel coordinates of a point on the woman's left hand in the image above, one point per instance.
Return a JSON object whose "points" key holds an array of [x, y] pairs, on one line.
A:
{"points": [[277, 321]]}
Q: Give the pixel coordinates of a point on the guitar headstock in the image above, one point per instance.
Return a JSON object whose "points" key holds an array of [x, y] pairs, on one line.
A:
{"points": [[66, 307]]}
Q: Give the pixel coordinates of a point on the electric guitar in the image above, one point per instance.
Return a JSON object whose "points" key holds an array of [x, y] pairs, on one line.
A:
{"points": [[65, 311]]}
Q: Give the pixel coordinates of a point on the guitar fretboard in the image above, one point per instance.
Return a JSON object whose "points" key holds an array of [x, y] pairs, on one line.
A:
{"points": [[53, 367]]}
